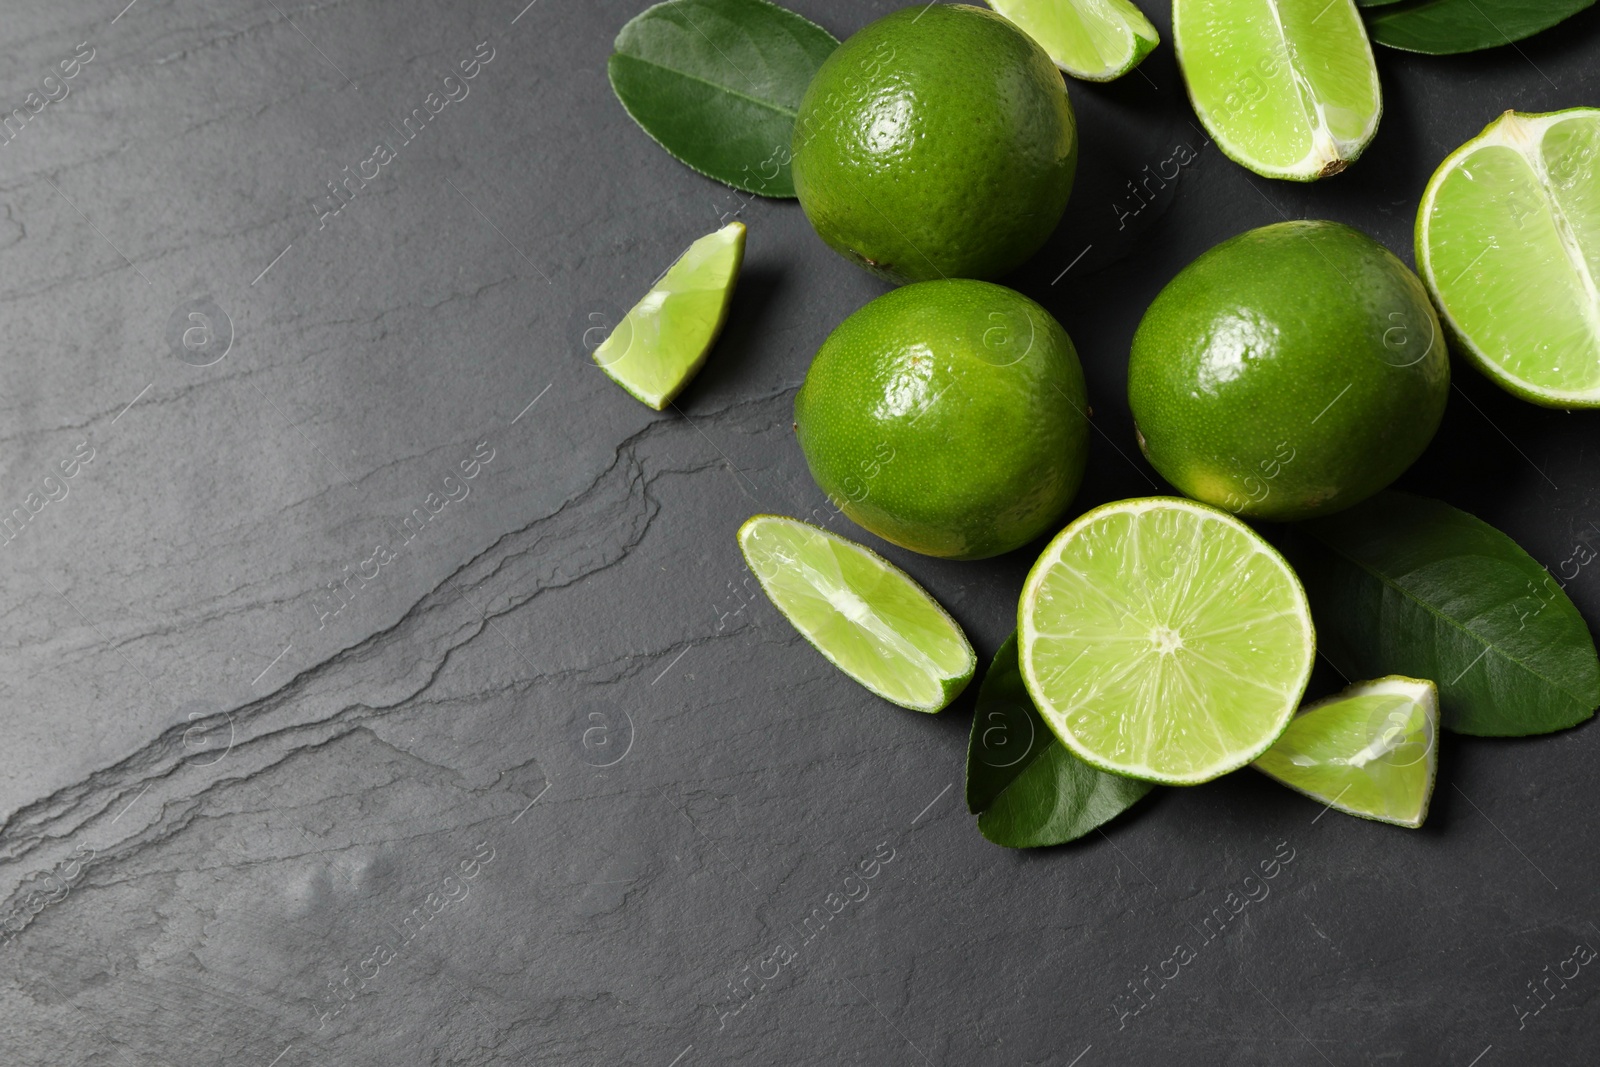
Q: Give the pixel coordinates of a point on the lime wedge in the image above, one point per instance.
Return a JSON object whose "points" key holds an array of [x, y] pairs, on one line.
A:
{"points": [[1369, 751], [1164, 639], [867, 616], [1096, 40], [1508, 242], [665, 339], [1287, 88]]}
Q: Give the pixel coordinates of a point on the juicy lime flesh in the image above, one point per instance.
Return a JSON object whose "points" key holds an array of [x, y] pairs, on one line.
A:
{"points": [[1508, 237], [664, 340], [1164, 640], [1093, 39], [1370, 751], [1287, 87], [1290, 371], [868, 617], [937, 142], [947, 417]]}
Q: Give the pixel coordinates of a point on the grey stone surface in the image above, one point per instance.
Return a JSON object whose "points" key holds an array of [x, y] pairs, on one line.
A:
{"points": [[555, 786]]}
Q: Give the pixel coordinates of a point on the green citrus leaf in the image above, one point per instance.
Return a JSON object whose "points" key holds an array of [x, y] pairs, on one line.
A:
{"points": [[717, 84], [1029, 789], [1444, 27], [1376, 3], [1007, 733], [1403, 584]]}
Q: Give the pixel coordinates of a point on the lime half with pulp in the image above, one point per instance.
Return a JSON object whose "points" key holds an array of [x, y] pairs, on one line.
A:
{"points": [[665, 339], [1369, 751], [1508, 242], [1096, 40], [867, 616], [1287, 88], [1164, 639]]}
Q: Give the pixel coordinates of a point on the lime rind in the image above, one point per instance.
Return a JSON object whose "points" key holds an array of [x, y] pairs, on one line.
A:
{"points": [[1369, 751], [664, 340], [1165, 640], [868, 617], [1508, 244], [1287, 88], [1093, 40]]}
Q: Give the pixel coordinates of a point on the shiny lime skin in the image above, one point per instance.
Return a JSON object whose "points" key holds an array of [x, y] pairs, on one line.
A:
{"points": [[937, 142], [947, 417], [1290, 371]]}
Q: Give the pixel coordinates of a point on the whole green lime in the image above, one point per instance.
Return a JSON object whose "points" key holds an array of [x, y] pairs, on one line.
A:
{"points": [[1290, 371], [948, 418], [937, 142]]}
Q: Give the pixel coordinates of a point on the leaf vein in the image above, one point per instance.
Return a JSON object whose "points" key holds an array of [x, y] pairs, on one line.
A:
{"points": [[1452, 623], [779, 108]]}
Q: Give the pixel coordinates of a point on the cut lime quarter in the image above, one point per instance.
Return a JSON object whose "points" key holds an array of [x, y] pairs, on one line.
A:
{"points": [[1370, 751], [661, 344], [1096, 40], [1164, 639], [1287, 88], [1508, 242], [867, 616]]}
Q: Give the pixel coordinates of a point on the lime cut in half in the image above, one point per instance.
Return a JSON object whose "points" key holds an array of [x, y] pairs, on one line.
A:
{"points": [[867, 616], [1165, 640], [1096, 40], [1508, 243], [1287, 88], [1370, 751], [663, 342]]}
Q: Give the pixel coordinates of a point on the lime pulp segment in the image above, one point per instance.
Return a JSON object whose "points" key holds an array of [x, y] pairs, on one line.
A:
{"points": [[1370, 751], [867, 616], [1096, 40], [1508, 241], [661, 344], [1287, 88], [1164, 639]]}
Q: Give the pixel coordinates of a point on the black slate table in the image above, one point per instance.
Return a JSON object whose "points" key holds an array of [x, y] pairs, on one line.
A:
{"points": [[384, 686]]}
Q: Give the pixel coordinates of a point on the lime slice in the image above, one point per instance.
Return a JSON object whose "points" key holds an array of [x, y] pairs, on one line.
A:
{"points": [[1508, 242], [665, 339], [1287, 88], [1096, 40], [865, 614], [1164, 639], [1369, 751]]}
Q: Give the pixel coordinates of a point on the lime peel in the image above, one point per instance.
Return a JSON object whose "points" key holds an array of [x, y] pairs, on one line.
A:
{"points": [[1369, 751], [865, 615], [935, 142], [663, 342], [947, 417]]}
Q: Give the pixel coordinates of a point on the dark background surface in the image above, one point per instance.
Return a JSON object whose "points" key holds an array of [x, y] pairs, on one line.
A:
{"points": [[561, 710]]}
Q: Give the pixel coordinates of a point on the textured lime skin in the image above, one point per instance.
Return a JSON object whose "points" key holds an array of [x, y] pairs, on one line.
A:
{"points": [[937, 142], [948, 418], [1290, 371]]}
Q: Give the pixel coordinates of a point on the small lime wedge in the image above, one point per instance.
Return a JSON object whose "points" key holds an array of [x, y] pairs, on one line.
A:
{"points": [[1369, 751], [867, 616], [1508, 242], [665, 339], [1287, 88], [1096, 40], [1164, 639]]}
